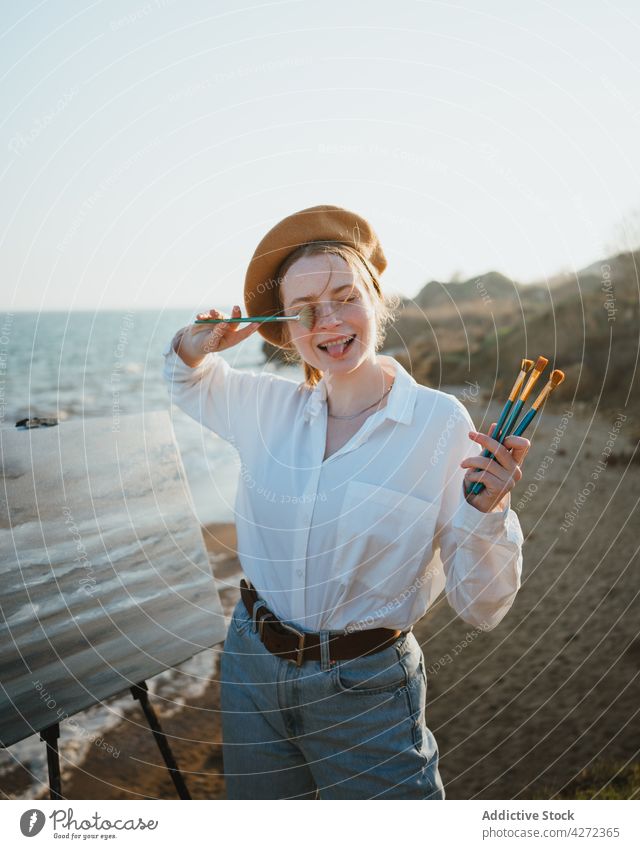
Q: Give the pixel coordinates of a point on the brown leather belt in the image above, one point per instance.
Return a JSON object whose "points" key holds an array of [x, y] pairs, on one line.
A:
{"points": [[299, 646]]}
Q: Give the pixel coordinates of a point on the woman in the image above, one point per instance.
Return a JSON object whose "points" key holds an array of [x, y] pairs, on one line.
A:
{"points": [[351, 520]]}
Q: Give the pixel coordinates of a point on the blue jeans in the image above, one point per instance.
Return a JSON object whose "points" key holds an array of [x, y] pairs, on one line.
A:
{"points": [[347, 729]]}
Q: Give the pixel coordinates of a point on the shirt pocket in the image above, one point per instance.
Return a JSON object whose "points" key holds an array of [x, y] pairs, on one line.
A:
{"points": [[383, 540]]}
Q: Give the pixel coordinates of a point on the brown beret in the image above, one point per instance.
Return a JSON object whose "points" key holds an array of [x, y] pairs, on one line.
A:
{"points": [[315, 224]]}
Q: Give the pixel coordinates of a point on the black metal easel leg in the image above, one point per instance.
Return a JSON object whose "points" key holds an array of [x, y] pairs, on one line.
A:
{"points": [[141, 693], [50, 737]]}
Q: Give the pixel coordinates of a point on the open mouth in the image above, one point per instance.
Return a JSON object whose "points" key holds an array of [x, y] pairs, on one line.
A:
{"points": [[337, 349]]}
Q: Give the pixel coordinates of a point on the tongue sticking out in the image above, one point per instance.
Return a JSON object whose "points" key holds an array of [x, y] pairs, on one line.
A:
{"points": [[336, 351]]}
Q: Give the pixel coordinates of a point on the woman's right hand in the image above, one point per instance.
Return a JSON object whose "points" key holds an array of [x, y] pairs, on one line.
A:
{"points": [[195, 341]]}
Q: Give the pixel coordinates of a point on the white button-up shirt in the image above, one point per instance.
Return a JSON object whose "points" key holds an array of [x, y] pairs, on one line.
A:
{"points": [[370, 536]]}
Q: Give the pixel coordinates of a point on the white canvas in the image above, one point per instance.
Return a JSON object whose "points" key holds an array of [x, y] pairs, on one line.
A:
{"points": [[104, 576]]}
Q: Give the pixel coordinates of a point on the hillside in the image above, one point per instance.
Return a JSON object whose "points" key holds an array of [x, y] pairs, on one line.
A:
{"points": [[587, 324]]}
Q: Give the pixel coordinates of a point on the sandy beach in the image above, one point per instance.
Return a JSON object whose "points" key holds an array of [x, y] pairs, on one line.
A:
{"points": [[518, 712]]}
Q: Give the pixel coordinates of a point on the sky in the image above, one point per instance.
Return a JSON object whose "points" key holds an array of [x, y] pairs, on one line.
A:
{"points": [[149, 146]]}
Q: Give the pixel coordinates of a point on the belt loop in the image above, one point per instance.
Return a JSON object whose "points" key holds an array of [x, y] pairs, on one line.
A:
{"points": [[259, 602], [325, 657]]}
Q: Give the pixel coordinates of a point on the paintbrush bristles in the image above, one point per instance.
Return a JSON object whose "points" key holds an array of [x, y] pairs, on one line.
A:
{"points": [[306, 317], [525, 368], [555, 380], [539, 367]]}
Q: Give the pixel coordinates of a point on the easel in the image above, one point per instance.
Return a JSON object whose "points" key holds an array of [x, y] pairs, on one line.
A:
{"points": [[105, 610], [140, 691]]}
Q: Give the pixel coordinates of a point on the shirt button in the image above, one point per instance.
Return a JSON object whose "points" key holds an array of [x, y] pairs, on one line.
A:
{"points": [[299, 573]]}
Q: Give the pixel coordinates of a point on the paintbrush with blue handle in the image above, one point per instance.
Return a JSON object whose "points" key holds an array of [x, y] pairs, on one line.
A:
{"points": [[554, 381], [514, 411], [525, 368]]}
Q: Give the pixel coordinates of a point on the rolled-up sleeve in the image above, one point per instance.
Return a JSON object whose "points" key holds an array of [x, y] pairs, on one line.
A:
{"points": [[481, 552], [213, 393]]}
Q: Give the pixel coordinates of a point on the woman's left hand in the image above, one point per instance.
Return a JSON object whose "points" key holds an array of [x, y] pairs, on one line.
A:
{"points": [[499, 474]]}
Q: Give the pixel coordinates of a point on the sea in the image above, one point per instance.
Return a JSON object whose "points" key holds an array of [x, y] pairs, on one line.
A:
{"points": [[83, 365]]}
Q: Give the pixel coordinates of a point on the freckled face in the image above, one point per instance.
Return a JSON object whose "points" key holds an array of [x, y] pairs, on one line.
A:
{"points": [[344, 313]]}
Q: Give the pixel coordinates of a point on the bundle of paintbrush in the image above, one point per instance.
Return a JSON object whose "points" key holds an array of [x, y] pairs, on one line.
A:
{"points": [[506, 424]]}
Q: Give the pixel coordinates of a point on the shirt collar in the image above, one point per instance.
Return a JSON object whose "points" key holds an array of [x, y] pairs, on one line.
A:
{"points": [[400, 401]]}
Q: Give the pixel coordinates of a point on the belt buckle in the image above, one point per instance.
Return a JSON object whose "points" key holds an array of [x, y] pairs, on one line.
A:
{"points": [[300, 651]]}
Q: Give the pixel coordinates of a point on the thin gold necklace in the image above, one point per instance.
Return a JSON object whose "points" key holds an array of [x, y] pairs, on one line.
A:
{"points": [[355, 415]]}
